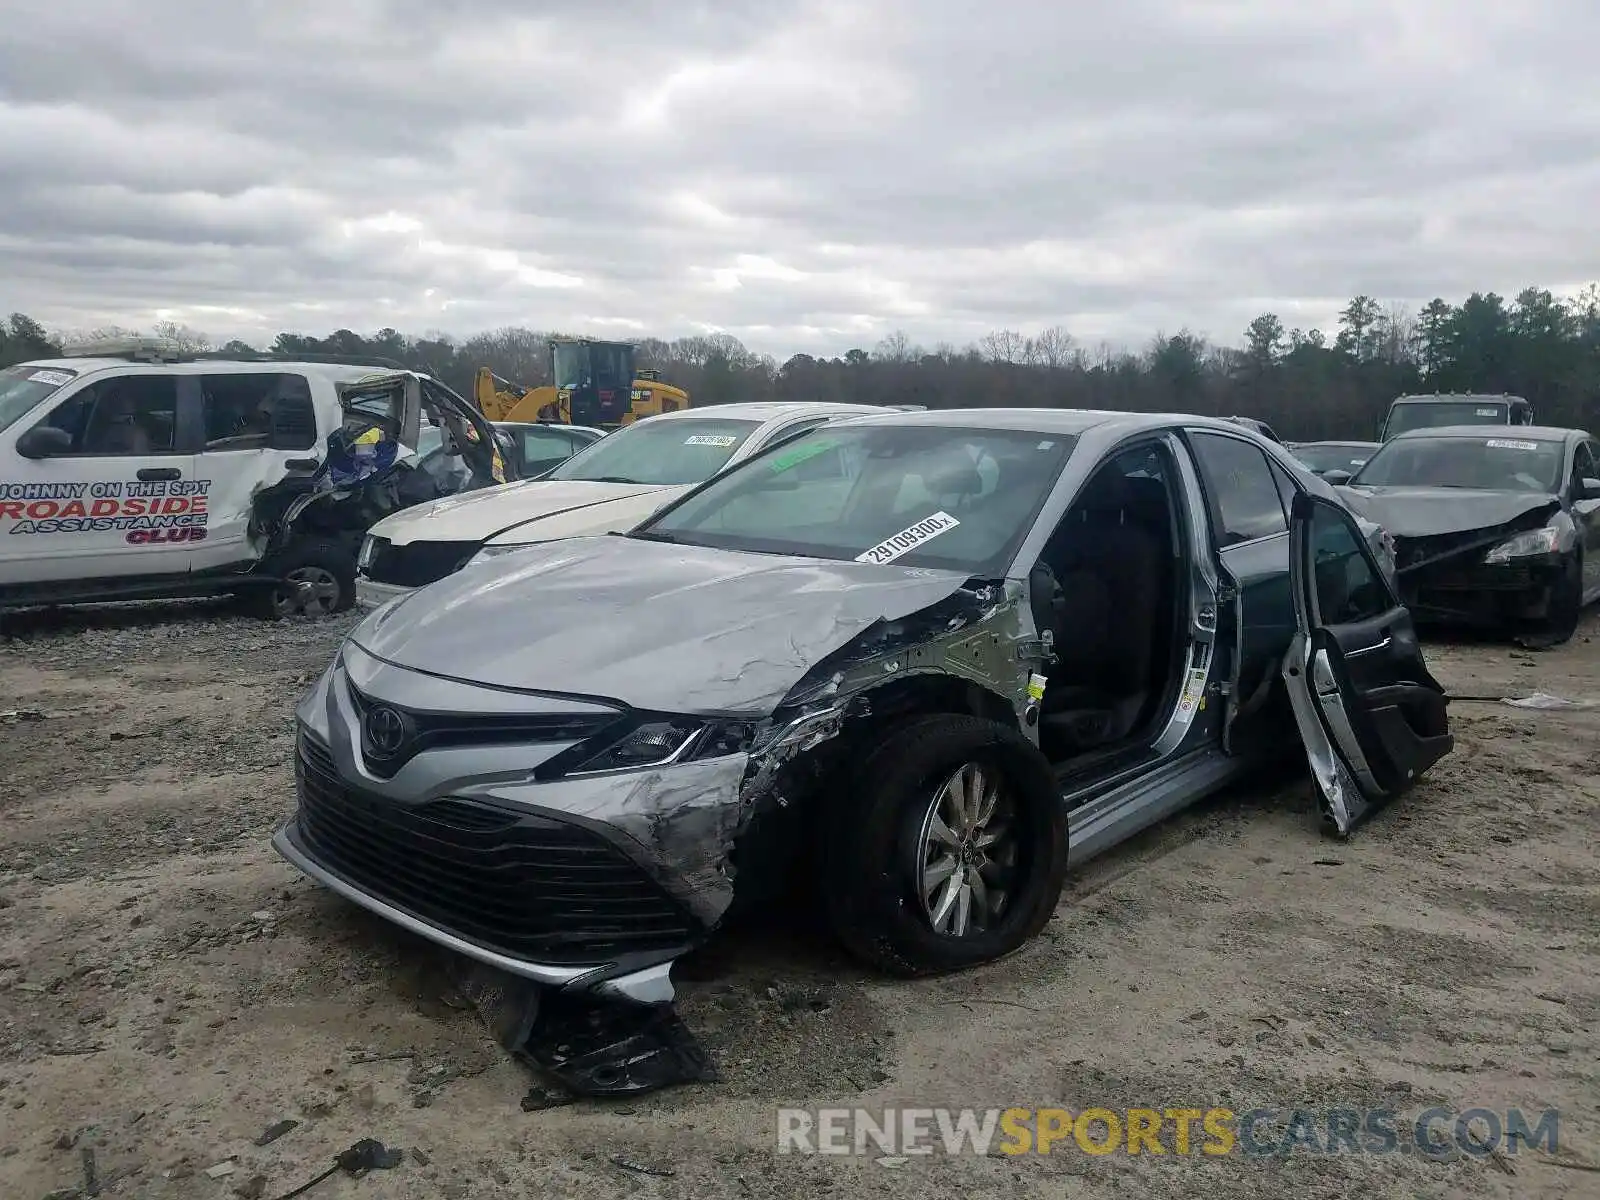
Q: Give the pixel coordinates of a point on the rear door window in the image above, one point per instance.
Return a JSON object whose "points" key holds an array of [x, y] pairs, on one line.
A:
{"points": [[1243, 493], [257, 410]]}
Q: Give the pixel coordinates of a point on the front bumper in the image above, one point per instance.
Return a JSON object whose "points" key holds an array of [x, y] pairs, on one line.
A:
{"points": [[371, 594], [1466, 589], [585, 883]]}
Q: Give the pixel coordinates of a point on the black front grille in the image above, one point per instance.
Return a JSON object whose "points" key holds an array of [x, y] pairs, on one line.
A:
{"points": [[1410, 552], [425, 730], [417, 564], [505, 880], [1450, 577]]}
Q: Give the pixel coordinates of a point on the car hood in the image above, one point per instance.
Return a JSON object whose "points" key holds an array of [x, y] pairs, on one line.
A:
{"points": [[656, 626], [1428, 512], [479, 515]]}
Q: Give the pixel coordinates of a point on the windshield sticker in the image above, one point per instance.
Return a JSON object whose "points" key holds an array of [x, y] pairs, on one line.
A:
{"points": [[55, 378], [1507, 444], [147, 514], [710, 439], [908, 539], [793, 458], [1488, 412]]}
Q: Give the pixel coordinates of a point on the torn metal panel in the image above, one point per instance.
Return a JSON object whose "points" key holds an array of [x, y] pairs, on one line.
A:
{"points": [[592, 1046]]}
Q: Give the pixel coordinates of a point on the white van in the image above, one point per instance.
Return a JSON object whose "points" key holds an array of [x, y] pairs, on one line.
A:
{"points": [[128, 472]]}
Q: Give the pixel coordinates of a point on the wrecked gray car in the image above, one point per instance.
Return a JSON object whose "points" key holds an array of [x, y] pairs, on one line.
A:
{"points": [[922, 662]]}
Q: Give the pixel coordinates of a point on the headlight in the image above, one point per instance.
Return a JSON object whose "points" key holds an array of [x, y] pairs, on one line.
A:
{"points": [[1535, 541], [369, 549], [669, 740], [651, 745]]}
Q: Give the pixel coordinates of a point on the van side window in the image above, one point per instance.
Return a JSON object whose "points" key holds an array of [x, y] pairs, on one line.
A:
{"points": [[123, 416], [1240, 487], [257, 411]]}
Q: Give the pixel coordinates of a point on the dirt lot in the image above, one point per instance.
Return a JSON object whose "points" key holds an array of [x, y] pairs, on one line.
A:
{"points": [[169, 988]]}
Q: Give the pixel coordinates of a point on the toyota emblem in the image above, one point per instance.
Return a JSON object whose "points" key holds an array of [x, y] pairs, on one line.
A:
{"points": [[386, 731]]}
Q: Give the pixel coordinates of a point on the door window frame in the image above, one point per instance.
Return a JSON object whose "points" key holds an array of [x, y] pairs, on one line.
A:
{"points": [[186, 419], [1209, 489]]}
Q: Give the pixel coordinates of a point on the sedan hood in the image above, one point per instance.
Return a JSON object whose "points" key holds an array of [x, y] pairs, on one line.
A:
{"points": [[479, 515], [1412, 512], [656, 626]]}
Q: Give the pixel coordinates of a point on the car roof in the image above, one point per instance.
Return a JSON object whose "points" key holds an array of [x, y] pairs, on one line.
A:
{"points": [[1526, 433], [1056, 420], [1461, 398], [1337, 442], [215, 366], [765, 410]]}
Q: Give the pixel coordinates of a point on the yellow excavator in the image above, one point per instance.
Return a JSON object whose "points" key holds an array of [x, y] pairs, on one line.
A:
{"points": [[595, 384]]}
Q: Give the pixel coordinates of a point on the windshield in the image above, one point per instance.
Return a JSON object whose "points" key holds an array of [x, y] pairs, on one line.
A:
{"points": [[675, 451], [1433, 414], [21, 389], [580, 365], [1333, 457], [920, 495], [1495, 464]]}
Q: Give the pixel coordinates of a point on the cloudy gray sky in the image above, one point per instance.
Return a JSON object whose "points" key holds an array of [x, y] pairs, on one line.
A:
{"points": [[803, 175]]}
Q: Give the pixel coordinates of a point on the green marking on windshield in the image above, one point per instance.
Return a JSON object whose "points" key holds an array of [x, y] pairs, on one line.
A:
{"points": [[793, 458]]}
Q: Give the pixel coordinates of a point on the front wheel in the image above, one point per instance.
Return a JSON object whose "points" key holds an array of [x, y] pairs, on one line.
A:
{"points": [[1564, 611], [316, 577], [948, 848]]}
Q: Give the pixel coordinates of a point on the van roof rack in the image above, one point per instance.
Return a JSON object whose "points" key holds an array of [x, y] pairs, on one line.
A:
{"points": [[134, 349], [353, 360]]}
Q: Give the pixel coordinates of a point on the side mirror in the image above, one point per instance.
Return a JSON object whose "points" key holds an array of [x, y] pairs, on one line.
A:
{"points": [[44, 441], [1337, 477], [1589, 489]]}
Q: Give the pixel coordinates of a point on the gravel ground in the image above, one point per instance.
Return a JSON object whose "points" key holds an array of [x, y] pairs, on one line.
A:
{"points": [[169, 989]]}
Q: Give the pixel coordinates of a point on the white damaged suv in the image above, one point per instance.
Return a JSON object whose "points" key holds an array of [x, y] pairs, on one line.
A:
{"points": [[130, 472]]}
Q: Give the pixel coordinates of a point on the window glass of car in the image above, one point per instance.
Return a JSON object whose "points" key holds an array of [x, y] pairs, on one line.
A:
{"points": [[22, 388], [255, 410], [1332, 456], [123, 415], [1435, 413], [540, 447], [677, 450], [1244, 495], [1349, 588], [1506, 463], [1583, 464], [912, 495]]}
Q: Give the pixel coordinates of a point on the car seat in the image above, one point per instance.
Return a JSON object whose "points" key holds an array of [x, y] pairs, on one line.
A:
{"points": [[1109, 569]]}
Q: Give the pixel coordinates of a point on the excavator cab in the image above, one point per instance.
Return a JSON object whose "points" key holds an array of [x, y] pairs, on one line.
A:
{"points": [[594, 381]]}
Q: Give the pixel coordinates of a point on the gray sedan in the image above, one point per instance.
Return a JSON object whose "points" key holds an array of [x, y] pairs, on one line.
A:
{"points": [[923, 662]]}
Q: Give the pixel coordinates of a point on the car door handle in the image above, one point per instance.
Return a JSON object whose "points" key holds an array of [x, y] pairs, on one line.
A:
{"points": [[1373, 649], [302, 464], [157, 474]]}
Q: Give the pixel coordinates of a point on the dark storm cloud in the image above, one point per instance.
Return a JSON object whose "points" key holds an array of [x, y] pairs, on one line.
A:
{"points": [[806, 175]]}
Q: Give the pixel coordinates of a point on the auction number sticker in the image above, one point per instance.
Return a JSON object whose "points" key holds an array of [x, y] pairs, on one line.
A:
{"points": [[57, 378], [1507, 444], [710, 439], [908, 539]]}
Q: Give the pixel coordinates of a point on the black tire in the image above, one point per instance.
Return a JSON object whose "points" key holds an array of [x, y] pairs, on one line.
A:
{"points": [[1564, 612], [328, 561], [869, 844]]}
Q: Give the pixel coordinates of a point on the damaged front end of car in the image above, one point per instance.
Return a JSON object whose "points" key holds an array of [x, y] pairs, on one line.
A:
{"points": [[572, 848], [370, 469], [1504, 576]]}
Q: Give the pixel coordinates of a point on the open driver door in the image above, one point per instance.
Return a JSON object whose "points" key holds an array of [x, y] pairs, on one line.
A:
{"points": [[1371, 716]]}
